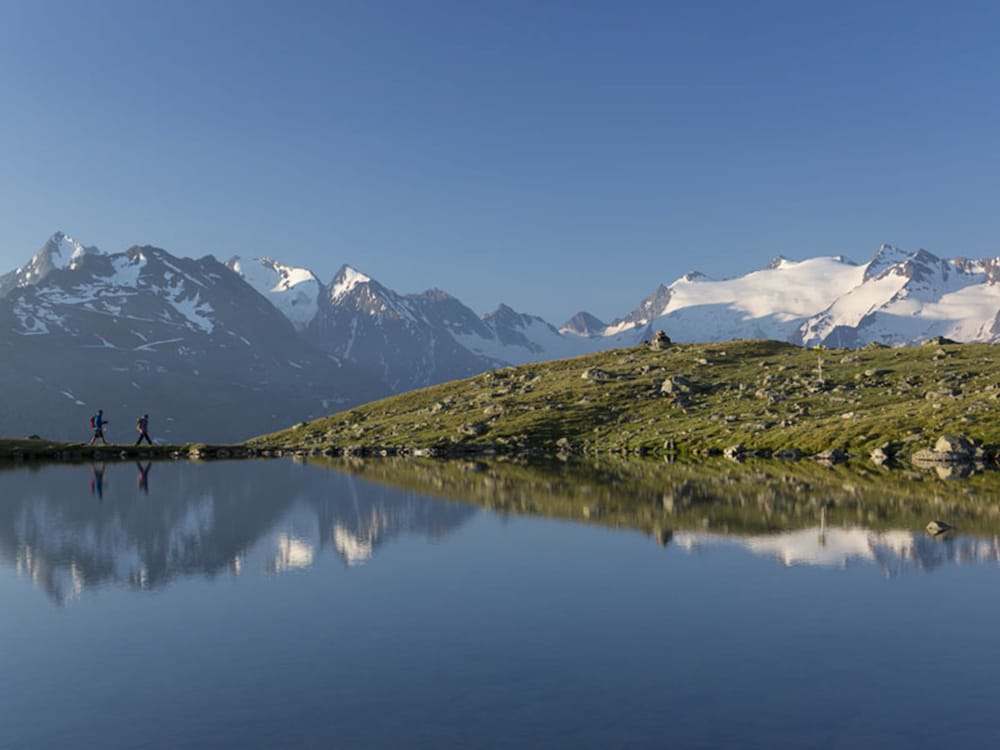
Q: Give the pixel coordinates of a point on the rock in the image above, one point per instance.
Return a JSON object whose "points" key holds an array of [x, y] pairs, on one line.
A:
{"points": [[563, 445], [938, 341], [33, 437], [954, 444], [473, 429], [941, 395], [771, 396], [597, 375], [937, 528], [676, 385]]}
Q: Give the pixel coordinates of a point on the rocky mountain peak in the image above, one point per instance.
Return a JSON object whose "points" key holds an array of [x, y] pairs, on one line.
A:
{"points": [[345, 281], [59, 252], [584, 324], [885, 258]]}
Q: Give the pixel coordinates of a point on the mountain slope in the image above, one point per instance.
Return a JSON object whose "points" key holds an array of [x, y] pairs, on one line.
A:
{"points": [[763, 394], [143, 331]]}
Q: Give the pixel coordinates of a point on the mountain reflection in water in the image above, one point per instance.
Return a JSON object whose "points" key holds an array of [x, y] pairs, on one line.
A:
{"points": [[895, 552], [206, 520], [280, 516]]}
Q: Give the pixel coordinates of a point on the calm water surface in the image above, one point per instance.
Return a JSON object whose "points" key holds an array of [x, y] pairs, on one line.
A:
{"points": [[272, 605]]}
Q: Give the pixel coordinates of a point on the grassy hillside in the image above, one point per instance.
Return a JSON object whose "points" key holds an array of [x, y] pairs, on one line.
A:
{"points": [[763, 394]]}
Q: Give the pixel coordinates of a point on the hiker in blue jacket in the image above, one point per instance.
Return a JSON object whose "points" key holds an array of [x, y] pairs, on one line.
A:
{"points": [[97, 422]]}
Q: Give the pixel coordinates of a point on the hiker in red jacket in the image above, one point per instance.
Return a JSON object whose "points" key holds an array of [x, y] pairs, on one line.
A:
{"points": [[97, 422]]}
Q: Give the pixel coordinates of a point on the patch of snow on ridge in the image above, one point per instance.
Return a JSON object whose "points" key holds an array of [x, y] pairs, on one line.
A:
{"points": [[196, 312], [293, 291], [127, 270]]}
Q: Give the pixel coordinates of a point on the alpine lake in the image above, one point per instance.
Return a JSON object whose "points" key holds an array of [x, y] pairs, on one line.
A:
{"points": [[408, 603]]}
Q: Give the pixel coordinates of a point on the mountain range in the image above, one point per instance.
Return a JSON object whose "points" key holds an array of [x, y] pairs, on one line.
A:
{"points": [[220, 351]]}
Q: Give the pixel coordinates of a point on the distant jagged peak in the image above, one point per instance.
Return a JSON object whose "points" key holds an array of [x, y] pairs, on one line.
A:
{"points": [[503, 315], [63, 251], [346, 279], [59, 251], [435, 295], [652, 307], [902, 261], [502, 311], [584, 324], [777, 262], [884, 258]]}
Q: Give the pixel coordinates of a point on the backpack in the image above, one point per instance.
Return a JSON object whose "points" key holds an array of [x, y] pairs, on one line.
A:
{"points": [[93, 421], [138, 425]]}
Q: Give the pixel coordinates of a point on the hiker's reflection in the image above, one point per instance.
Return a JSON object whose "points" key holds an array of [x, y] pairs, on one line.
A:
{"points": [[97, 480], [142, 481]]}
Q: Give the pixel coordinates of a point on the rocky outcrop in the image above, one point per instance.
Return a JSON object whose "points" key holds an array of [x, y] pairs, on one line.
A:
{"points": [[949, 449]]}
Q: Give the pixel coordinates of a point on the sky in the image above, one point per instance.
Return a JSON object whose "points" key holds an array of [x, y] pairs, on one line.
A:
{"points": [[554, 156]]}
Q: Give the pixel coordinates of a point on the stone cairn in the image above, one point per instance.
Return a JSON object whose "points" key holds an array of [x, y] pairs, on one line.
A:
{"points": [[661, 340]]}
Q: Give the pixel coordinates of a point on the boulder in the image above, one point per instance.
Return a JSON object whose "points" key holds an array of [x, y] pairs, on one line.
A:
{"points": [[473, 429], [597, 375], [678, 385], [939, 341], [955, 444]]}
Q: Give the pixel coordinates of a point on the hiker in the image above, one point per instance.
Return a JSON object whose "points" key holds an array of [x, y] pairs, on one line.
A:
{"points": [[142, 425], [97, 422]]}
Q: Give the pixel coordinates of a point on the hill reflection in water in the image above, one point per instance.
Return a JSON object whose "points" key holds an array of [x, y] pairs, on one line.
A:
{"points": [[72, 528]]}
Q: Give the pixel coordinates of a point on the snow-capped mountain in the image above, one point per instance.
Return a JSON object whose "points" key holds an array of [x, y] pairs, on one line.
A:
{"points": [[80, 325], [294, 291], [897, 298], [406, 340], [146, 332], [770, 303], [904, 298], [58, 253]]}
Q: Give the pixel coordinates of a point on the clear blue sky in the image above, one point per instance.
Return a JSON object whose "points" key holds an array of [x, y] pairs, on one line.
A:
{"points": [[556, 156]]}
